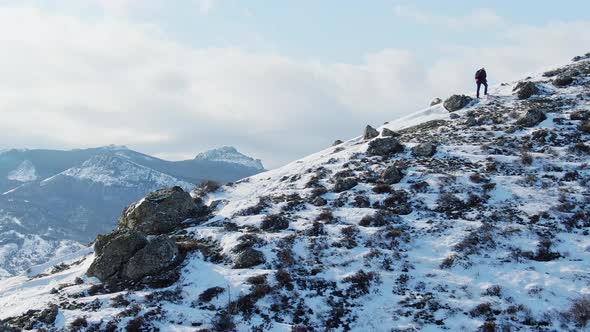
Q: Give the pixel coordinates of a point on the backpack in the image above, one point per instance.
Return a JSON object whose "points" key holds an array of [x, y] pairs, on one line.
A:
{"points": [[478, 74]]}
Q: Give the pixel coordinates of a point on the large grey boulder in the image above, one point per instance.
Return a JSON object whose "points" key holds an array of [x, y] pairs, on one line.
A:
{"points": [[159, 212], [457, 102], [370, 133], [391, 175], [526, 89], [532, 118], [563, 80], [427, 149], [158, 254], [249, 258], [113, 251], [384, 147]]}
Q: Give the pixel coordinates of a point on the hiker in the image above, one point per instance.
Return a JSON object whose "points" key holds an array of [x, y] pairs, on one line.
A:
{"points": [[481, 78]]}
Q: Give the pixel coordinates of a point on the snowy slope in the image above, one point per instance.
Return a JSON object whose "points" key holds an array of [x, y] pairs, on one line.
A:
{"points": [[488, 234], [25, 172]]}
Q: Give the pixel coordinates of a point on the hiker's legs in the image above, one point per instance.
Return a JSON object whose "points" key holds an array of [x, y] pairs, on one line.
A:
{"points": [[485, 84], [478, 86]]}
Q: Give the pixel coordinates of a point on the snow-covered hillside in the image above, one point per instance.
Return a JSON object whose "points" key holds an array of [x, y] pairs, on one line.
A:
{"points": [[25, 172], [472, 220], [230, 155]]}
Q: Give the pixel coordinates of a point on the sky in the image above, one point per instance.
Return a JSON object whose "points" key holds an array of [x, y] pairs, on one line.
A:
{"points": [[276, 79]]}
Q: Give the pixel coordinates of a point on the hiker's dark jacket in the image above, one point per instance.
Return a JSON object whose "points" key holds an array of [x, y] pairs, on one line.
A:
{"points": [[481, 76]]}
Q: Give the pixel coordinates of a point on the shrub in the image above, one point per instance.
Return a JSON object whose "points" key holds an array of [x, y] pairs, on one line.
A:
{"points": [[211, 293], [579, 311], [526, 158], [482, 309], [382, 188], [361, 282], [495, 290], [325, 216], [274, 223], [206, 187]]}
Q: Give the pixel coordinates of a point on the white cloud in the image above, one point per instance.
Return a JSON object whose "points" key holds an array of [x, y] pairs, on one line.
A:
{"points": [[67, 82], [480, 17]]}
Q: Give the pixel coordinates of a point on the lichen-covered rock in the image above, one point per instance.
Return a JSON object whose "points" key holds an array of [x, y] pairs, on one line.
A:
{"points": [[370, 133], [113, 252], [526, 89], [427, 149], [532, 118], [563, 80], [249, 258], [391, 175], [457, 102], [159, 212], [384, 147], [155, 256]]}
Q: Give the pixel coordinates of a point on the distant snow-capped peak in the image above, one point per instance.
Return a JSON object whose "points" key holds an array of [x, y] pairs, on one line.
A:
{"points": [[25, 172], [229, 154], [113, 170]]}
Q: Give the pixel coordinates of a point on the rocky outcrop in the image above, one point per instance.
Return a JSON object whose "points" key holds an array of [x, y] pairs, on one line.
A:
{"points": [[391, 175], [526, 89], [389, 133], [435, 101], [370, 133], [159, 212], [532, 118], [427, 149], [113, 251], [159, 253], [384, 147], [457, 102], [345, 184], [249, 258], [141, 246], [563, 80]]}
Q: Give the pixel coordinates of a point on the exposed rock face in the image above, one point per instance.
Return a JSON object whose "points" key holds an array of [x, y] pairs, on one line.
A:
{"points": [[532, 118], [384, 147], [562, 81], [370, 133], [159, 212], [158, 254], [113, 251], [436, 101], [127, 253], [424, 150], [526, 90], [391, 175], [248, 258], [585, 127], [389, 133], [457, 102]]}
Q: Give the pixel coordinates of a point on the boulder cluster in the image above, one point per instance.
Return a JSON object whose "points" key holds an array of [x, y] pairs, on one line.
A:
{"points": [[141, 245]]}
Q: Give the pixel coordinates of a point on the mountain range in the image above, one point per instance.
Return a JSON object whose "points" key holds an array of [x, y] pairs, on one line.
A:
{"points": [[55, 201]]}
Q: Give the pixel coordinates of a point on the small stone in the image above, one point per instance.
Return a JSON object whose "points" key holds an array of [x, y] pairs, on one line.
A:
{"points": [[436, 101], [391, 175], [532, 118]]}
